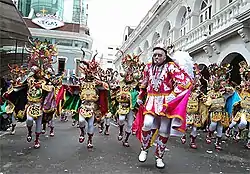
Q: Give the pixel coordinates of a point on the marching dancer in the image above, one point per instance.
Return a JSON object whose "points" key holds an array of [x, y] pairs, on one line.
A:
{"points": [[94, 99], [163, 81], [242, 116], [194, 117], [127, 96], [216, 100]]}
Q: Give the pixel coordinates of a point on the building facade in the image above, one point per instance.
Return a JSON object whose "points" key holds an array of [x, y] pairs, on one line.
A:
{"points": [[212, 31], [62, 22], [108, 56]]}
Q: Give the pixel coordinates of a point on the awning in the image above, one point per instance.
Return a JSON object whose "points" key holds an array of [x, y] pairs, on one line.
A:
{"points": [[12, 25]]}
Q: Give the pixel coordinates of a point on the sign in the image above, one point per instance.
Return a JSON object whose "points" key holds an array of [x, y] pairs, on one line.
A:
{"points": [[48, 22]]}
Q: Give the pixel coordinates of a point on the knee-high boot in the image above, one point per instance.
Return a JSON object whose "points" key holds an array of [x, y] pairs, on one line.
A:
{"points": [[37, 143], [29, 136], [218, 143], [44, 128], [120, 136], [52, 134], [82, 133], [125, 142], [160, 150], [192, 142], [90, 143], [101, 127], [209, 137], [106, 130], [145, 142]]}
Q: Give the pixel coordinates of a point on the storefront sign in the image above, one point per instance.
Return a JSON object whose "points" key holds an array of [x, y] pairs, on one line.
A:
{"points": [[47, 22]]}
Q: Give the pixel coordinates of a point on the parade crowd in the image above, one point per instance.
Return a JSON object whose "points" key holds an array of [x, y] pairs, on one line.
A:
{"points": [[152, 101]]}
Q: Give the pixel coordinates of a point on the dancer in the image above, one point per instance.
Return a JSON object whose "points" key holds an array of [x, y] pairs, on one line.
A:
{"points": [[94, 99], [163, 81], [127, 95], [216, 100]]}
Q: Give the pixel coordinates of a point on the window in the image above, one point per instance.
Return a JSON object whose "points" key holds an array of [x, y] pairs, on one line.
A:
{"points": [[81, 44], [205, 10], [183, 23], [230, 1], [77, 73], [109, 61], [61, 65], [64, 42]]}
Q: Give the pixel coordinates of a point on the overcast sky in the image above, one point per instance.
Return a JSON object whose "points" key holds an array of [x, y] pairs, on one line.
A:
{"points": [[108, 19]]}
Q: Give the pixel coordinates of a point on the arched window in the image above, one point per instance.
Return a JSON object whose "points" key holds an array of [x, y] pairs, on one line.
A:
{"points": [[205, 10], [183, 24]]}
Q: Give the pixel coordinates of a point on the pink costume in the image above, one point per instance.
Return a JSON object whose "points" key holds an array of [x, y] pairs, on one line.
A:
{"points": [[163, 85]]}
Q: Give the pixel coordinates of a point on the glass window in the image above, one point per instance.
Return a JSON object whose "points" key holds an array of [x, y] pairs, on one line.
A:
{"points": [[64, 42], [81, 44]]}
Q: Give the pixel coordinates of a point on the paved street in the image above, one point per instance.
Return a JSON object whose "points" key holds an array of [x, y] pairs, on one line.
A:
{"points": [[63, 154]]}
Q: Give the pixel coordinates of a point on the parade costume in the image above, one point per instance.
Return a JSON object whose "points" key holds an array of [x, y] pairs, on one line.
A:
{"points": [[167, 87], [16, 94], [127, 95], [94, 99], [49, 105], [217, 97], [241, 118], [41, 59], [71, 100], [110, 77], [194, 117]]}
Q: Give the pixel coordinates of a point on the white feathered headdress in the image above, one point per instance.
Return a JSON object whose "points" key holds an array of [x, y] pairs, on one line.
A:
{"points": [[182, 58]]}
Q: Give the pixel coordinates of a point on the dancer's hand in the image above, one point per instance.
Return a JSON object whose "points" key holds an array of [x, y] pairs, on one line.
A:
{"points": [[139, 101]]}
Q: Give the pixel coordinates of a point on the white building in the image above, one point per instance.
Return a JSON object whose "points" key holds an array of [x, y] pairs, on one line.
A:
{"points": [[62, 22], [108, 56], [212, 31]]}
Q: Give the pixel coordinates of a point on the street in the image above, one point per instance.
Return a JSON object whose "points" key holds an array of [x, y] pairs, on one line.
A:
{"points": [[64, 154]]}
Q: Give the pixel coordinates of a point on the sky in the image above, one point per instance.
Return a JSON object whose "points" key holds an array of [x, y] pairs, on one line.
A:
{"points": [[108, 18]]}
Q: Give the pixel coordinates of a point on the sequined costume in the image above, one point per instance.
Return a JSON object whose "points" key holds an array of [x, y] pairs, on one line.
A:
{"points": [[166, 86], [42, 56], [110, 77], [241, 118], [219, 92], [127, 95], [94, 99], [194, 116]]}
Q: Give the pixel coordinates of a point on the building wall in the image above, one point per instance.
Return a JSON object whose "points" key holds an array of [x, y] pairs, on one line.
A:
{"points": [[209, 34], [71, 39]]}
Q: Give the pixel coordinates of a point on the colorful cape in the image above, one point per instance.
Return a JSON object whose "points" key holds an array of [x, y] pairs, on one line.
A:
{"points": [[231, 102]]}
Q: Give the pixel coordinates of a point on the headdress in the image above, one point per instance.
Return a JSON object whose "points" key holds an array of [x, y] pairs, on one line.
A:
{"points": [[109, 76], [42, 55], [90, 68], [132, 67], [245, 72], [219, 74], [17, 74]]}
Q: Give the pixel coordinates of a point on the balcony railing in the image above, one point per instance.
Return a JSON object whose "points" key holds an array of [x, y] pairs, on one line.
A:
{"points": [[219, 22]]}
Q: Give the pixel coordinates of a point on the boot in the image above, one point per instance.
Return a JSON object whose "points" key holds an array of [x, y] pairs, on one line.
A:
{"points": [[52, 134], [218, 143], [81, 138], [44, 128], [37, 143], [227, 133], [106, 132], [183, 139], [120, 136], [248, 144], [237, 136], [13, 131], [29, 136], [192, 142], [74, 123], [125, 142], [101, 127], [160, 150], [146, 139], [209, 137], [90, 144]]}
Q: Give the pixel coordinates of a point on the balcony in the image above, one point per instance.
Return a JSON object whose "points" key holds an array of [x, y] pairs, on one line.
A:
{"points": [[221, 21]]}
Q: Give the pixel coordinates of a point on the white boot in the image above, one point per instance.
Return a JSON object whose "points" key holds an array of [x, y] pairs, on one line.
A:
{"points": [[159, 163], [143, 156]]}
